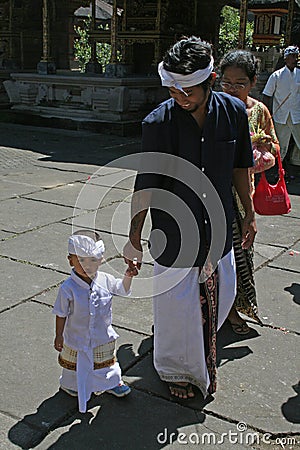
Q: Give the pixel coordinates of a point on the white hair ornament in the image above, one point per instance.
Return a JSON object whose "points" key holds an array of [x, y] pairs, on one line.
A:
{"points": [[85, 246]]}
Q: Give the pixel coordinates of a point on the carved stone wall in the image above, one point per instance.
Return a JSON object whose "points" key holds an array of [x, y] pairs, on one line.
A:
{"points": [[85, 98]]}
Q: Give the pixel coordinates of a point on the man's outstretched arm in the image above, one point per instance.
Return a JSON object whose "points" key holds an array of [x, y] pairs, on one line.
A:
{"points": [[139, 207]]}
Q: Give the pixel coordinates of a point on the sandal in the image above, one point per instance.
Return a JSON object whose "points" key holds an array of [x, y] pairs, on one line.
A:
{"points": [[240, 328], [184, 392]]}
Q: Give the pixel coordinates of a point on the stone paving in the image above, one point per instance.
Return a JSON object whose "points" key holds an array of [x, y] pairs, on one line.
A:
{"points": [[43, 173]]}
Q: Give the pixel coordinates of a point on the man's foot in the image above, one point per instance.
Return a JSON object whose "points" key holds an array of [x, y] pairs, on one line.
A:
{"points": [[69, 391], [119, 391], [240, 328], [181, 390], [238, 325]]}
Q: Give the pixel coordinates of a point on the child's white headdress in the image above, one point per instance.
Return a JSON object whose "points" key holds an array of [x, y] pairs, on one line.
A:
{"points": [[85, 246]]}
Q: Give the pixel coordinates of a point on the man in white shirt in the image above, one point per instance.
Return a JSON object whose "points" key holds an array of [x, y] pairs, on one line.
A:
{"points": [[284, 86]]}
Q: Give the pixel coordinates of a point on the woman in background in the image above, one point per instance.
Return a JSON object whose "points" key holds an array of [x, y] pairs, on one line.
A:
{"points": [[239, 74]]}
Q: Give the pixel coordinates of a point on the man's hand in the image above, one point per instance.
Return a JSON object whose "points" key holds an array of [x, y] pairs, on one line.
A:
{"points": [[248, 231], [133, 254], [131, 272]]}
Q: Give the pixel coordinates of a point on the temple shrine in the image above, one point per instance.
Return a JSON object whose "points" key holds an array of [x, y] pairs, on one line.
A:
{"points": [[37, 52]]}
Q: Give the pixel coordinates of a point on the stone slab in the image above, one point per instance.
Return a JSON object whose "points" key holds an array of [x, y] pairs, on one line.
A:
{"points": [[59, 145], [289, 260], [278, 297], [171, 426], [32, 246], [46, 246], [79, 195], [295, 203], [257, 375], [124, 179], [133, 418], [5, 235], [114, 219], [250, 389], [15, 159], [270, 230], [144, 377], [131, 346], [74, 167], [33, 376], [44, 177], [19, 215], [21, 281], [48, 297], [142, 284], [134, 314], [10, 189], [10, 440], [96, 154], [264, 254]]}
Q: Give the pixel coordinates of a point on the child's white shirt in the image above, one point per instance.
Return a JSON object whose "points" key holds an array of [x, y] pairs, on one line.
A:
{"points": [[88, 309], [88, 312]]}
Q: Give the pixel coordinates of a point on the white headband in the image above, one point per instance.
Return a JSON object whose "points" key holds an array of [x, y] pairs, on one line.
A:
{"points": [[179, 81], [85, 246], [291, 50]]}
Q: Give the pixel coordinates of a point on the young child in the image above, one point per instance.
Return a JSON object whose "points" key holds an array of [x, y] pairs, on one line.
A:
{"points": [[85, 337]]}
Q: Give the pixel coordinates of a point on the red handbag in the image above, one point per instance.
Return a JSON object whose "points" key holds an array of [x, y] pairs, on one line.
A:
{"points": [[272, 200]]}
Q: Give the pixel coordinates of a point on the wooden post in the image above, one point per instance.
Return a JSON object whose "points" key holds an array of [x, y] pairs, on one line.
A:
{"points": [[46, 51], [113, 33], [93, 66], [46, 65], [289, 23], [10, 50], [243, 23], [116, 68], [158, 16], [93, 42]]}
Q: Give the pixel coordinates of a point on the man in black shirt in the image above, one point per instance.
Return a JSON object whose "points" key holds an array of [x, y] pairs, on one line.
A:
{"points": [[194, 146]]}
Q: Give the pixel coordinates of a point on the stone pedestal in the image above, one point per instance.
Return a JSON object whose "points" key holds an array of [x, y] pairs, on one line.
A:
{"points": [[46, 67], [93, 67], [118, 70], [85, 100]]}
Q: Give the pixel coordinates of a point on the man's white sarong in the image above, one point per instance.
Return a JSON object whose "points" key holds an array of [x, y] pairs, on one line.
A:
{"points": [[179, 354]]}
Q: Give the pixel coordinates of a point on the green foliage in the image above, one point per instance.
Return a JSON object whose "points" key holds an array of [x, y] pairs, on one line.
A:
{"points": [[82, 46], [229, 30]]}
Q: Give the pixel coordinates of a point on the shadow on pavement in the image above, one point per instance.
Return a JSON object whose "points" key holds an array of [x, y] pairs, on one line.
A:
{"points": [[110, 423], [68, 146], [291, 409], [147, 418], [294, 289], [226, 337]]}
